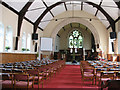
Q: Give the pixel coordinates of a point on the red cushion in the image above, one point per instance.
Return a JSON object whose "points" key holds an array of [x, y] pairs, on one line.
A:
{"points": [[36, 78], [6, 83], [105, 79], [22, 84], [88, 75]]}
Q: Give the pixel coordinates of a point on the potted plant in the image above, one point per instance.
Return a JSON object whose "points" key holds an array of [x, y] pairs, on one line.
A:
{"points": [[27, 50], [7, 48], [23, 49]]}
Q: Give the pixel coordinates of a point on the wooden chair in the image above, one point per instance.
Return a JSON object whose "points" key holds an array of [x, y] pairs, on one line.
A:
{"points": [[45, 71], [7, 80], [88, 73], [38, 76], [117, 75], [22, 80], [98, 74], [111, 85], [106, 75]]}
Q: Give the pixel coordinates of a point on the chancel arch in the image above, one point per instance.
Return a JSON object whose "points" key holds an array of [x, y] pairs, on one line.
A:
{"points": [[77, 20]]}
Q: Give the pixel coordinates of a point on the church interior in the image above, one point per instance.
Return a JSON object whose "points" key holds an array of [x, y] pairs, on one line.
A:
{"points": [[60, 44]]}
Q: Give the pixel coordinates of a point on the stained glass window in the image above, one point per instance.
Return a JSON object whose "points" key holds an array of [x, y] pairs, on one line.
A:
{"points": [[75, 39]]}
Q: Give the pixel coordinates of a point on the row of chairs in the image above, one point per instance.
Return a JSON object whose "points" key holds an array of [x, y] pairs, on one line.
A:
{"points": [[18, 78], [89, 72], [25, 64]]}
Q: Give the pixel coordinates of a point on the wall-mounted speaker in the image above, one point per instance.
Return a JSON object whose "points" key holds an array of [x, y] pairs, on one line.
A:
{"points": [[113, 35], [34, 36], [97, 45], [35, 47], [15, 41], [112, 46]]}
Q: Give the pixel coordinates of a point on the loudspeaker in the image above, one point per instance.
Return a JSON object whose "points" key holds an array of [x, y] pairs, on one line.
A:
{"points": [[112, 46], [16, 43], [34, 36], [97, 45], [117, 58], [35, 47], [112, 35]]}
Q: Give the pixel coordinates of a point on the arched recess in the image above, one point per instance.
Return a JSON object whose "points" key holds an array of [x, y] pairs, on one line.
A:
{"points": [[77, 20]]}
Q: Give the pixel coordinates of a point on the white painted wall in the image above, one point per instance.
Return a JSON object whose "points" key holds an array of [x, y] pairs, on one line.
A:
{"points": [[118, 36], [9, 18], [0, 12]]}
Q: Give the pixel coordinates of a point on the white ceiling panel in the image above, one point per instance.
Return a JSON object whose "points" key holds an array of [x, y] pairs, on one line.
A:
{"points": [[111, 8], [89, 8], [35, 10], [45, 20], [95, 1], [37, 4], [77, 5], [50, 2], [102, 18], [43, 24], [16, 4], [47, 17], [69, 5], [113, 12], [58, 9], [34, 15], [73, 5]]}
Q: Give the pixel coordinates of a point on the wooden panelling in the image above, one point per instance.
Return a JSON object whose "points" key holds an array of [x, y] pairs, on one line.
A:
{"points": [[16, 57], [110, 57]]}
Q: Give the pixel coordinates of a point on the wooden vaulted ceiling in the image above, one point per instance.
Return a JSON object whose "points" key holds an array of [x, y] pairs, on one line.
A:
{"points": [[48, 7], [72, 26]]}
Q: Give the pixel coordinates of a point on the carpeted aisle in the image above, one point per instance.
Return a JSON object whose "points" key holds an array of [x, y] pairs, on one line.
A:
{"points": [[69, 77]]}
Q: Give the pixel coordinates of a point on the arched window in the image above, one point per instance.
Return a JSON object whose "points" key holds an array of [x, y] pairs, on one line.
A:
{"points": [[9, 39], [75, 39], [1, 37], [24, 41], [28, 42]]}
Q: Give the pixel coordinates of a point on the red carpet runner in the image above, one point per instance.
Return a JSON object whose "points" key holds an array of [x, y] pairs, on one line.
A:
{"points": [[69, 77]]}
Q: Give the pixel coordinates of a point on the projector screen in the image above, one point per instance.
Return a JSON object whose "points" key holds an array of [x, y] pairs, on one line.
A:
{"points": [[46, 44]]}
